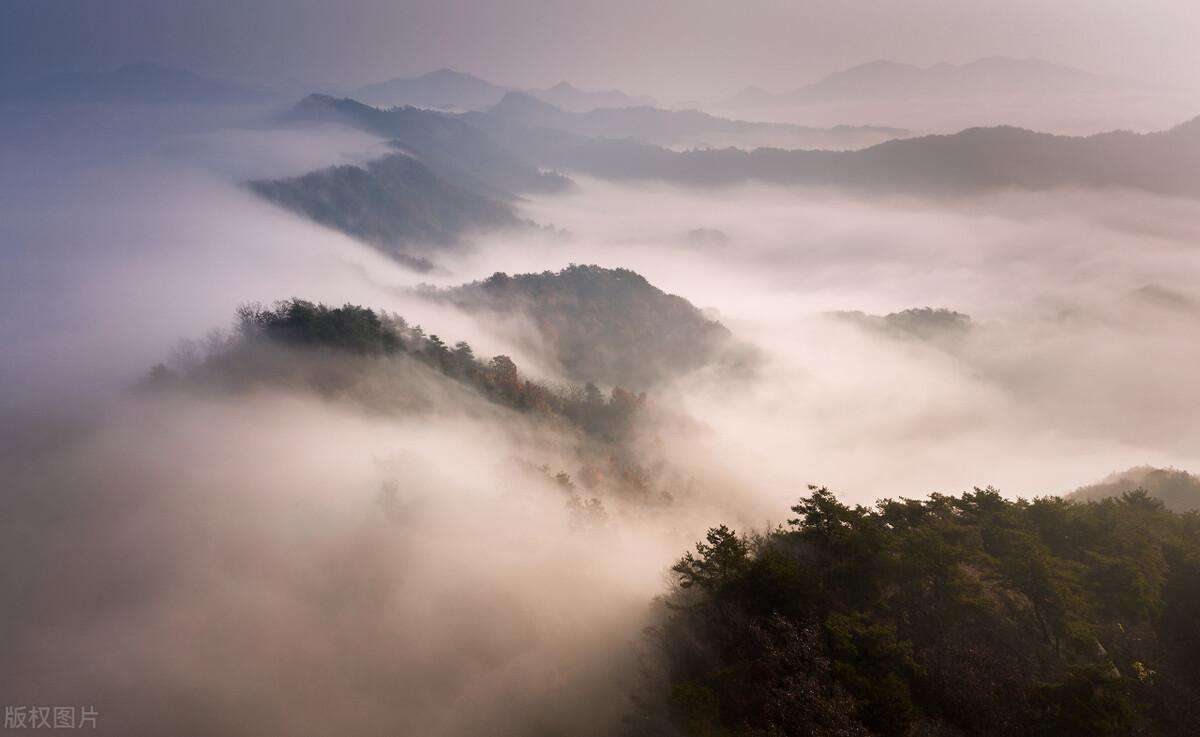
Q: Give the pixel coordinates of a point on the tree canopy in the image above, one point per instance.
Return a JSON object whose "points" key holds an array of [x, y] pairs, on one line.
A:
{"points": [[954, 615]]}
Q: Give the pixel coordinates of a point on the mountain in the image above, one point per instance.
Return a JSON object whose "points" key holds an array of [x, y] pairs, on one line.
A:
{"points": [[442, 89], [672, 128], [1179, 490], [608, 326], [940, 325], [395, 203], [571, 98], [452, 148], [988, 77], [973, 160], [135, 83]]}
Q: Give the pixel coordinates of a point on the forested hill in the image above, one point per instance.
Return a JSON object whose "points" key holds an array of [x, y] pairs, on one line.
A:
{"points": [[967, 616], [454, 150], [395, 203], [379, 360], [1177, 489], [608, 326]]}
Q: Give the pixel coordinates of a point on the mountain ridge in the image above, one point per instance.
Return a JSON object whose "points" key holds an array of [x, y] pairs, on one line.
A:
{"points": [[888, 79]]}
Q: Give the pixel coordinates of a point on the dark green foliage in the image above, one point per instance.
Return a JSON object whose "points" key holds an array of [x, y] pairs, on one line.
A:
{"points": [[608, 326], [332, 349], [969, 615], [298, 322]]}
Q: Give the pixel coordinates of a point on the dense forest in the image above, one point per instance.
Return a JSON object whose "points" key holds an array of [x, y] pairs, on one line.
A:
{"points": [[967, 615], [342, 351]]}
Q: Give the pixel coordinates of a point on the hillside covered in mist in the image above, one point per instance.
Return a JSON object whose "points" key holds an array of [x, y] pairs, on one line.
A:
{"points": [[1178, 490], [608, 326], [974, 160], [395, 203], [523, 135]]}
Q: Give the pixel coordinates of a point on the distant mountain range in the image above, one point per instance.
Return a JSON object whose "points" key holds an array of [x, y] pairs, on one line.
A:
{"points": [[135, 83], [446, 89], [889, 80], [449, 182], [973, 160], [442, 89], [674, 128], [572, 99], [454, 150]]}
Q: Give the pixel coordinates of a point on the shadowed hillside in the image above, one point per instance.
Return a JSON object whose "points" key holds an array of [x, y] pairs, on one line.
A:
{"points": [[974, 160], [608, 326], [451, 148], [395, 203], [679, 128]]}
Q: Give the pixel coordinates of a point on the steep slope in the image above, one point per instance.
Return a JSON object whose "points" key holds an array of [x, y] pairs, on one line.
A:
{"points": [[451, 147], [677, 128], [395, 203], [608, 326]]}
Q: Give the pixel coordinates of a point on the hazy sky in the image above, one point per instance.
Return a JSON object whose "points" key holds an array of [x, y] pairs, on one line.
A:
{"points": [[672, 48]]}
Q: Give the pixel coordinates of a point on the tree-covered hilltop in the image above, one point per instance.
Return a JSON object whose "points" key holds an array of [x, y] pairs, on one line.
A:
{"points": [[970, 615], [1177, 489], [609, 326], [302, 344], [924, 323]]}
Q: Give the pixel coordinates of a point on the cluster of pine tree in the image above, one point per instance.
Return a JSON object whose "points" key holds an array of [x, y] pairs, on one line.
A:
{"points": [[969, 615]]}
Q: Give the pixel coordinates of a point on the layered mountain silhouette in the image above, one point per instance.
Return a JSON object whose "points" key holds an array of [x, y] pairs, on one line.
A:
{"points": [[446, 89], [453, 149], [135, 83], [572, 99], [976, 159], [673, 128], [443, 89], [988, 77]]}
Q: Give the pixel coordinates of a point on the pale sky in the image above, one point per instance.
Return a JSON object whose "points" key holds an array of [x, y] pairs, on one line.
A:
{"points": [[670, 48]]}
